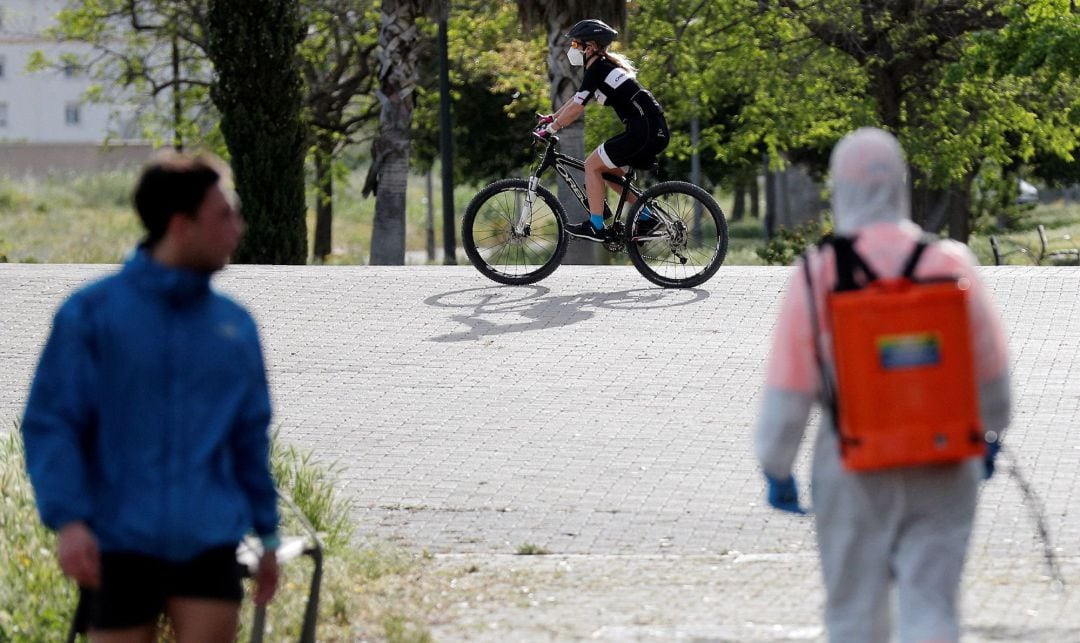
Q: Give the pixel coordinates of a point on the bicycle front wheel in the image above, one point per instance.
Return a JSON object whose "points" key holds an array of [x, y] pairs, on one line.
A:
{"points": [[505, 248], [685, 239]]}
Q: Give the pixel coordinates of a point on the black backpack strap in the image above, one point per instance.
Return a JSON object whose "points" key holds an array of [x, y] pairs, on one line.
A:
{"points": [[916, 254], [828, 391], [847, 262]]}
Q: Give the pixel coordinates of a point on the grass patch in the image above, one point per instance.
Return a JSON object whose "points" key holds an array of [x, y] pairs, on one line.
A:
{"points": [[87, 218], [529, 549], [68, 219], [36, 601], [1061, 221], [366, 589]]}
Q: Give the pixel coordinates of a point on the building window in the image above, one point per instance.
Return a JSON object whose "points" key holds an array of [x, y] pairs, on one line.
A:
{"points": [[3, 114], [71, 113]]}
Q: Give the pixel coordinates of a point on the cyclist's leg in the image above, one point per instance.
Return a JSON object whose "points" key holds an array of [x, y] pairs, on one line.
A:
{"points": [[638, 146], [595, 188], [618, 187]]}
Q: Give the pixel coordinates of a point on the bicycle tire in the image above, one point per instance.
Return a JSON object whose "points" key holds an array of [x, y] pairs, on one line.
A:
{"points": [[493, 248], [663, 256]]}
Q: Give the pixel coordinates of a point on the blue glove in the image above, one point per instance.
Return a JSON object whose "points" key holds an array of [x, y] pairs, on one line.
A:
{"points": [[783, 494], [992, 449]]}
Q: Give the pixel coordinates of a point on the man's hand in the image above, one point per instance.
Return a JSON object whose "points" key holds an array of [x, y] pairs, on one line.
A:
{"points": [[80, 559], [266, 578]]}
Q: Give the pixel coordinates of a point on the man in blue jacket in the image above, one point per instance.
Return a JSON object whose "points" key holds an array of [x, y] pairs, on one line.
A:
{"points": [[146, 425]]}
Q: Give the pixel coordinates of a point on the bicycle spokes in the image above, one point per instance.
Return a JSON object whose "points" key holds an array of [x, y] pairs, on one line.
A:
{"points": [[513, 234], [685, 239]]}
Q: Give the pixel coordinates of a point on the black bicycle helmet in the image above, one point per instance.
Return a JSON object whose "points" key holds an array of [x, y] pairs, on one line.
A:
{"points": [[592, 31]]}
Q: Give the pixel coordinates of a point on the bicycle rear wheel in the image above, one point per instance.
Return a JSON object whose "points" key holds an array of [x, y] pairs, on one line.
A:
{"points": [[687, 240], [500, 252]]}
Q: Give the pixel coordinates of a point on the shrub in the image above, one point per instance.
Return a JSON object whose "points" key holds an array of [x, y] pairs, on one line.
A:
{"points": [[361, 587], [35, 598], [788, 243]]}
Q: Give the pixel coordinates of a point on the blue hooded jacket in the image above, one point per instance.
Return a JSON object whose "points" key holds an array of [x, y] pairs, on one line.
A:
{"points": [[148, 416]]}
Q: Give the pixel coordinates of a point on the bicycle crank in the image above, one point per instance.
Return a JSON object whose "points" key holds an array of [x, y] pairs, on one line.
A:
{"points": [[614, 241]]}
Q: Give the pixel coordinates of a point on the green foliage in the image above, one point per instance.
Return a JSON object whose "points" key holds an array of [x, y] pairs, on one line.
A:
{"points": [[994, 205], [312, 489], [37, 602], [34, 596], [131, 63], [252, 44], [787, 244], [530, 549], [498, 84], [76, 218], [399, 629], [338, 64]]}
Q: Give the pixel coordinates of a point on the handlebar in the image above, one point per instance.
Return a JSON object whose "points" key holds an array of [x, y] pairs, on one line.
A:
{"points": [[541, 135]]}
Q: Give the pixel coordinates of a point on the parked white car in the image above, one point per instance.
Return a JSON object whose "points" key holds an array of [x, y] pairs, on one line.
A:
{"points": [[1028, 193]]}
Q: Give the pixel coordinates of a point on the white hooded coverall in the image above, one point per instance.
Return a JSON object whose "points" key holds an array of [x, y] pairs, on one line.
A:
{"points": [[908, 527]]}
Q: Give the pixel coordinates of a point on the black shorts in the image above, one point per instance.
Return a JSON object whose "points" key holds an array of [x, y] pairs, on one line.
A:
{"points": [[135, 587], [639, 145]]}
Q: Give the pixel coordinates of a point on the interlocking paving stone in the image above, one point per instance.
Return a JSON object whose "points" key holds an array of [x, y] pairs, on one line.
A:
{"points": [[609, 422]]}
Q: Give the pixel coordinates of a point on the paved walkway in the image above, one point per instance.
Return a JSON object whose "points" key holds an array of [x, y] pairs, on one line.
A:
{"points": [[607, 422]]}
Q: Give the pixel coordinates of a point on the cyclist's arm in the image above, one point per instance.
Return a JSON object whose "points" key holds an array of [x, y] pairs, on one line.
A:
{"points": [[567, 114]]}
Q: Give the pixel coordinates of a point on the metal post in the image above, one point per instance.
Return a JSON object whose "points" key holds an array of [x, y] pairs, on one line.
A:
{"points": [[695, 170], [447, 144]]}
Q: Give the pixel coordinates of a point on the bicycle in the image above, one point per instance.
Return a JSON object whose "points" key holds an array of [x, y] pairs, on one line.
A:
{"points": [[514, 230]]}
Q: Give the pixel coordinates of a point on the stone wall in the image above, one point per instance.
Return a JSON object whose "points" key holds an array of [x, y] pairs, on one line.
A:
{"points": [[40, 159]]}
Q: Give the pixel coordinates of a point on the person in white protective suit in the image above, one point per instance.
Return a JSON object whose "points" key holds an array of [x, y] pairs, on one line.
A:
{"points": [[906, 528]]}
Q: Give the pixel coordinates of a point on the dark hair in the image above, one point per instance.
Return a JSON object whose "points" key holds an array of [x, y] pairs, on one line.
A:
{"points": [[173, 183]]}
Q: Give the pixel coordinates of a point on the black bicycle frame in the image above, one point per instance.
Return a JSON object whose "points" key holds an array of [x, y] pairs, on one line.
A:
{"points": [[559, 161]]}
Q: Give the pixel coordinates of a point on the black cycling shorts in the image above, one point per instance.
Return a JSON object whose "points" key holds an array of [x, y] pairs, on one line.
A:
{"points": [[644, 139], [135, 587]]}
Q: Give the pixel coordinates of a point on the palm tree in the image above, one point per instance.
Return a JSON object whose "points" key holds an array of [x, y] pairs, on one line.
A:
{"points": [[557, 17], [389, 172]]}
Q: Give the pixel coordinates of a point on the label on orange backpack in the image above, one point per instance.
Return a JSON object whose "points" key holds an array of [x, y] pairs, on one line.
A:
{"points": [[905, 380]]}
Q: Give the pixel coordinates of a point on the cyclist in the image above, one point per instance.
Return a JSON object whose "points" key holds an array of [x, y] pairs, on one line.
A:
{"points": [[610, 79]]}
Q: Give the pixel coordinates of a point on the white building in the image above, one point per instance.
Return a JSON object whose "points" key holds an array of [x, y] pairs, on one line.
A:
{"points": [[46, 123], [45, 106]]}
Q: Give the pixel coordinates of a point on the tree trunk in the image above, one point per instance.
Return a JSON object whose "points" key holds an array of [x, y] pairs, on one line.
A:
{"points": [[960, 214], [265, 137], [770, 200], [324, 199], [389, 173], [430, 185], [738, 207], [935, 208], [565, 79], [755, 198]]}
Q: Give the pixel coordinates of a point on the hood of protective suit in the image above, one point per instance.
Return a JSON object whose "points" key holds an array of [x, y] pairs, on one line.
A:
{"points": [[869, 180]]}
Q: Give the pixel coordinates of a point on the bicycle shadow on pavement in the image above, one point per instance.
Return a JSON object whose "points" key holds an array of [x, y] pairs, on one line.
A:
{"points": [[491, 305]]}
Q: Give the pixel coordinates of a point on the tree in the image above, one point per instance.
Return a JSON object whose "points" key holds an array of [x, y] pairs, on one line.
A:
{"points": [[556, 18], [399, 37], [811, 71], [150, 53], [498, 87], [252, 44], [337, 61], [153, 53], [1037, 58]]}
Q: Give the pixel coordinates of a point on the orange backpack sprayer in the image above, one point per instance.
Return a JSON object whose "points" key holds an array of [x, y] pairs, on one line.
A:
{"points": [[905, 392]]}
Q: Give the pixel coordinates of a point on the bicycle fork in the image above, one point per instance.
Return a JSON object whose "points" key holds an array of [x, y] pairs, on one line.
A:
{"points": [[524, 216]]}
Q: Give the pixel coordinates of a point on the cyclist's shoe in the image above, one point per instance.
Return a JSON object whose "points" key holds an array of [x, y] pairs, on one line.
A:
{"points": [[586, 230]]}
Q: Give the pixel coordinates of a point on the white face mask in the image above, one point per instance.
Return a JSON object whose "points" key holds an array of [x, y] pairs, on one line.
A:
{"points": [[576, 56]]}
